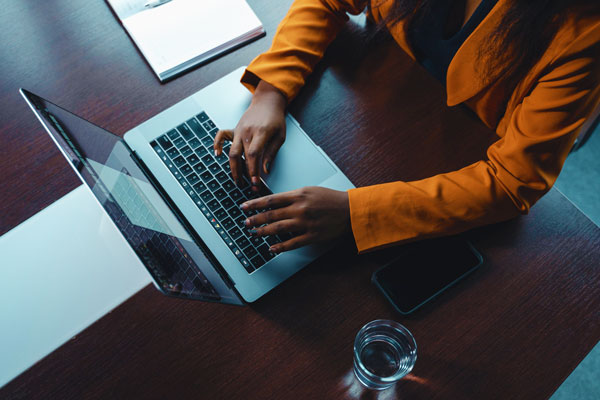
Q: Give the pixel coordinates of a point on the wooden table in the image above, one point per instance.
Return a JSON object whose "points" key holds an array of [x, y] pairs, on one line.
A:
{"points": [[514, 329]]}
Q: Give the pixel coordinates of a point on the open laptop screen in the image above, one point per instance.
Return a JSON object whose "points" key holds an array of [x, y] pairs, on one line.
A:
{"points": [[105, 163]]}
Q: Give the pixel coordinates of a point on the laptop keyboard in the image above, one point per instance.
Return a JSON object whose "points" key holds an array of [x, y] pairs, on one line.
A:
{"points": [[188, 152]]}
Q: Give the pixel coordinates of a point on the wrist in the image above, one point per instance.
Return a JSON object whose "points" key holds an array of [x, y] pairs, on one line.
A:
{"points": [[265, 92]]}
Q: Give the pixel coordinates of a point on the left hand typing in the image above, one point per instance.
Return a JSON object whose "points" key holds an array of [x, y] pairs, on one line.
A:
{"points": [[312, 214]]}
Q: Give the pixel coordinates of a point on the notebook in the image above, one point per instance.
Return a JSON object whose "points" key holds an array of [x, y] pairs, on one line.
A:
{"points": [[181, 34]]}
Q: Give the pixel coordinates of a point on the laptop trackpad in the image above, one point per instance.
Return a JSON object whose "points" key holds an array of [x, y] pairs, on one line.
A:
{"points": [[298, 163]]}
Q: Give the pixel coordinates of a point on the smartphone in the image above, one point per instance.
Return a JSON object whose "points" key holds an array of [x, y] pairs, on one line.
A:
{"points": [[421, 271]]}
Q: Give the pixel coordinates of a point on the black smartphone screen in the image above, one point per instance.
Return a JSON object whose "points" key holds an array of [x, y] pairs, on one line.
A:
{"points": [[423, 270]]}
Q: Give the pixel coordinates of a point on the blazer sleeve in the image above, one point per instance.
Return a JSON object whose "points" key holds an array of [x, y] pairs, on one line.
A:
{"points": [[520, 167], [299, 43]]}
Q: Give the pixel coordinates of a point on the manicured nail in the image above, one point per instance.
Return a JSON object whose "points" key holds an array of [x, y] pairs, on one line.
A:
{"points": [[243, 206], [216, 155], [247, 222], [273, 249]]}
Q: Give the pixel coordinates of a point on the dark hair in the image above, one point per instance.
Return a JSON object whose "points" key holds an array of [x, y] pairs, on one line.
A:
{"points": [[516, 44]]}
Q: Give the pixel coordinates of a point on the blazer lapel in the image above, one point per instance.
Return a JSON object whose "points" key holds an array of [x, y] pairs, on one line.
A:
{"points": [[462, 79]]}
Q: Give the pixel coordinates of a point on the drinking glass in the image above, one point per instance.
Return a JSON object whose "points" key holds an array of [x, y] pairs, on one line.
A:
{"points": [[384, 352]]}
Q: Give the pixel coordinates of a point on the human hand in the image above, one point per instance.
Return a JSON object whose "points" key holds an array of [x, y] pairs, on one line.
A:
{"points": [[258, 135], [313, 214]]}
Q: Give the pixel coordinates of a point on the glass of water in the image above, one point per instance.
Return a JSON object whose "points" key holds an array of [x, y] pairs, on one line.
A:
{"points": [[384, 352]]}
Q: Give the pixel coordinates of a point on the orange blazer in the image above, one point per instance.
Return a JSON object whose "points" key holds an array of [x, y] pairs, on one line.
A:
{"points": [[536, 129]]}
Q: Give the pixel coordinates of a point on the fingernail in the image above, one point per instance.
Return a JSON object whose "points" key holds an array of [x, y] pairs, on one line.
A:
{"points": [[254, 181], [216, 153], [247, 222], [252, 231], [243, 206], [273, 249]]}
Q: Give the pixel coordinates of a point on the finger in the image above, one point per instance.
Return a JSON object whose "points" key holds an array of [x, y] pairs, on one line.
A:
{"points": [[268, 217], [271, 201], [254, 154], [278, 227], [270, 152], [220, 137], [235, 158], [293, 243]]}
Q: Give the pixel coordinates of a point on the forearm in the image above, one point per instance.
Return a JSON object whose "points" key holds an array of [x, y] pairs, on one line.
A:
{"points": [[446, 204], [299, 43]]}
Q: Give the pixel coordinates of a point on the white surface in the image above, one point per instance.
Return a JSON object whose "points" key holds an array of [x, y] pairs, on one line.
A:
{"points": [[181, 33], [61, 270]]}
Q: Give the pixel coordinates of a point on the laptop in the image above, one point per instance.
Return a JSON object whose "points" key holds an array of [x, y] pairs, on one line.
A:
{"points": [[176, 204]]}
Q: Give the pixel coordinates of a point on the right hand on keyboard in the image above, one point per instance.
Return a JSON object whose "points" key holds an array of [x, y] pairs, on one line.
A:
{"points": [[258, 135]]}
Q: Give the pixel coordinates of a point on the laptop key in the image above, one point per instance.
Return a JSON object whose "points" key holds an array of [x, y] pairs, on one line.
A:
{"points": [[207, 141], [197, 128], [227, 223], [213, 185], [250, 252], [227, 203], [200, 187], [214, 168], [206, 176], [206, 196], [220, 194], [264, 252], [173, 152], [236, 195], [213, 205], [235, 213], [257, 261], [201, 151], [222, 158], [222, 177], [202, 117], [228, 185], [220, 214], [173, 134], [256, 240], [193, 159], [209, 125], [193, 179], [208, 159], [179, 142], [185, 151], [194, 143], [240, 221], [200, 168], [271, 240], [165, 142], [186, 169], [235, 233], [179, 161], [185, 131], [242, 242]]}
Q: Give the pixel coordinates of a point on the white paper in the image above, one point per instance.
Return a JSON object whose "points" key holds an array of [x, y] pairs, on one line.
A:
{"points": [[183, 30]]}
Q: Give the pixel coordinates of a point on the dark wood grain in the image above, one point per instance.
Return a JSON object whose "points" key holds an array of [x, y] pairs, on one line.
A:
{"points": [[514, 329]]}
